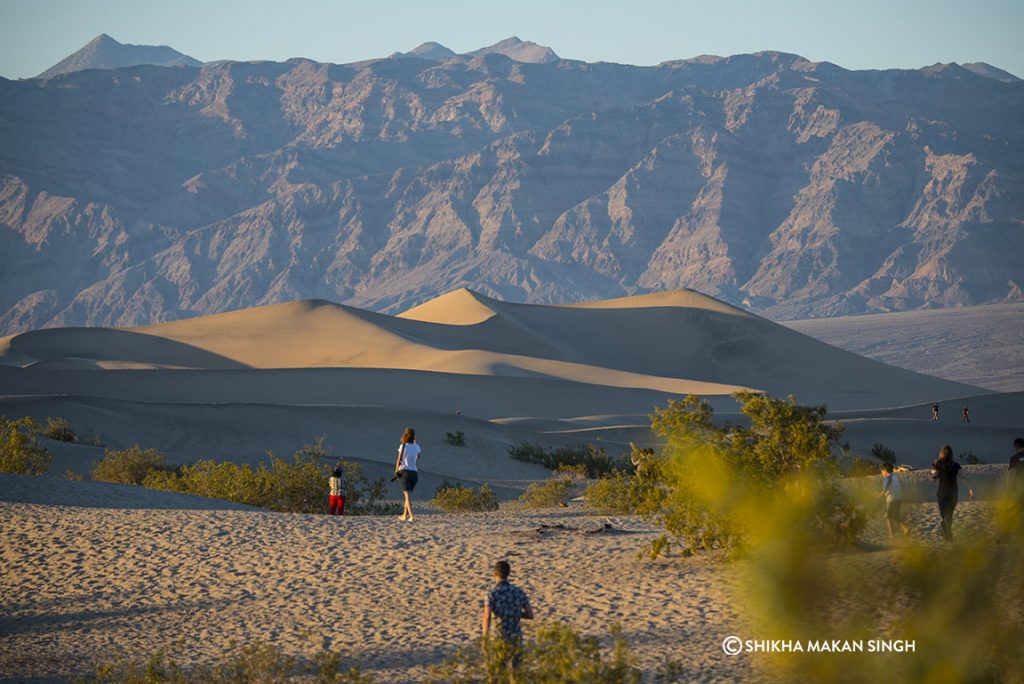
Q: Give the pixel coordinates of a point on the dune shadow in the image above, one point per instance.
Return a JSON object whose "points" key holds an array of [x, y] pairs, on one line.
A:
{"points": [[82, 347], [106, 619]]}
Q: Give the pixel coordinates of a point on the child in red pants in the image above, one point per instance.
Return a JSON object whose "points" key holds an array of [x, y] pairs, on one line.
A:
{"points": [[337, 497]]}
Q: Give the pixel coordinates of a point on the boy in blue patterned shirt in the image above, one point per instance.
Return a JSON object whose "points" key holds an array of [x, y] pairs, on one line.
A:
{"points": [[509, 604]]}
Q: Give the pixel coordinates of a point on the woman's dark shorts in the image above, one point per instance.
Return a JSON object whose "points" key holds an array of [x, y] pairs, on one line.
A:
{"points": [[892, 510], [409, 480]]}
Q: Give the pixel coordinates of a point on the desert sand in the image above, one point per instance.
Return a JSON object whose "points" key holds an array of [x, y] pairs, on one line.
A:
{"points": [[93, 571]]}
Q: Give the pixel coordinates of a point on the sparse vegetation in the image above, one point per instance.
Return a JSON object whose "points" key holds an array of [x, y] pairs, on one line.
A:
{"points": [[617, 493], [128, 466], [883, 453], [557, 654], [72, 475], [257, 662], [20, 452], [971, 458], [594, 460], [557, 489], [297, 486], [457, 438], [59, 429], [458, 498]]}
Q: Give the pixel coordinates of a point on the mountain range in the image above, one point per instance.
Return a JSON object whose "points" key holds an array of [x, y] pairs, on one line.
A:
{"points": [[143, 194]]}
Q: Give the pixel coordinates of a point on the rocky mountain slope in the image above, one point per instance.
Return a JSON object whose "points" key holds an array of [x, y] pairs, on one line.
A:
{"points": [[146, 194]]}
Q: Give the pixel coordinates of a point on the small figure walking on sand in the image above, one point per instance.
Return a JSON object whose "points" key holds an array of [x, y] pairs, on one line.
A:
{"points": [[891, 490], [948, 472], [337, 503], [509, 604], [405, 469], [935, 410], [966, 414]]}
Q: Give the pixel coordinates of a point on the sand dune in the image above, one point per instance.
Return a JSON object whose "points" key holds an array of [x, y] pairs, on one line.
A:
{"points": [[676, 342]]}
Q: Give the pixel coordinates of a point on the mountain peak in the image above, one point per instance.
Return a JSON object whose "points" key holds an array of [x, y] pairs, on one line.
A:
{"points": [[105, 52], [431, 51], [519, 50]]}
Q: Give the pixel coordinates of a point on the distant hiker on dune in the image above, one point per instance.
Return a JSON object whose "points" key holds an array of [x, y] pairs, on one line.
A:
{"points": [[935, 411], [405, 469], [337, 500], [966, 415], [948, 472]]}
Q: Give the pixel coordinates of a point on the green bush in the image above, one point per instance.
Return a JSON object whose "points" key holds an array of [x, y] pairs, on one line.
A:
{"points": [[712, 484], [458, 498], [970, 458], [595, 461], [128, 466], [556, 655], [59, 430], [456, 438], [20, 452], [618, 493], [298, 486], [257, 662], [556, 490], [883, 453], [95, 439]]}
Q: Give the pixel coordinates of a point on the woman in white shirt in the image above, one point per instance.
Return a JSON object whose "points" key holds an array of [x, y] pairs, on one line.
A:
{"points": [[405, 467]]}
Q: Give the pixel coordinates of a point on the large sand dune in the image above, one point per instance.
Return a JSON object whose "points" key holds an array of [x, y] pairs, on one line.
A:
{"points": [[234, 385]]}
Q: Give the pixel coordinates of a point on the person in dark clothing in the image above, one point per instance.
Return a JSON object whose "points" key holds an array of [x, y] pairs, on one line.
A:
{"points": [[1016, 471], [966, 414], [948, 473], [935, 411]]}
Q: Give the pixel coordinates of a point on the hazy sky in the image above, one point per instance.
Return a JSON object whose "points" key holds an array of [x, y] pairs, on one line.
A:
{"points": [[856, 34]]}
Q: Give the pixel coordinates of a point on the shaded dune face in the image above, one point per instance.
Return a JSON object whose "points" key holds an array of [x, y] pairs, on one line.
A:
{"points": [[675, 342]]}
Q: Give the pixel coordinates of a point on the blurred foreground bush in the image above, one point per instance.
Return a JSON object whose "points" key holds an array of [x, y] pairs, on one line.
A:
{"points": [[251, 663], [20, 452], [458, 498], [711, 484], [557, 654]]}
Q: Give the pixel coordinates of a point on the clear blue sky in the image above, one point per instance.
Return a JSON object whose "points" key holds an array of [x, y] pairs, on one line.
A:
{"points": [[856, 34]]}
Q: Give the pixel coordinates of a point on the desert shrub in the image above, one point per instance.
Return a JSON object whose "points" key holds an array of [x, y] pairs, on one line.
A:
{"points": [[456, 438], [256, 662], [855, 465], [595, 461], [95, 439], [555, 490], [617, 493], [20, 452], [458, 498], [296, 486], [72, 475], [127, 466], [59, 429], [883, 453], [970, 458], [556, 654], [710, 483]]}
